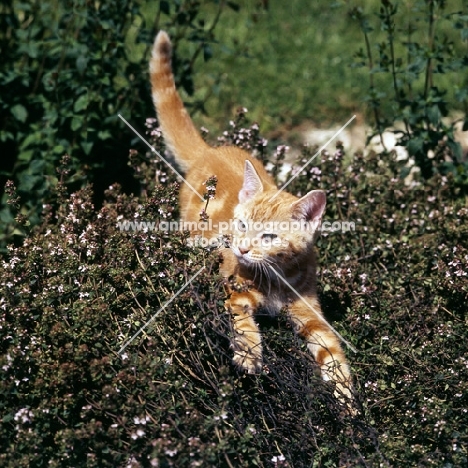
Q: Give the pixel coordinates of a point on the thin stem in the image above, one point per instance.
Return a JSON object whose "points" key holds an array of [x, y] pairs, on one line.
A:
{"points": [[390, 36], [371, 83], [408, 56], [431, 33], [210, 30], [392, 53]]}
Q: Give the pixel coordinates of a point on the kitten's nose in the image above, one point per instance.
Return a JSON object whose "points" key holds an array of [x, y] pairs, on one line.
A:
{"points": [[244, 250]]}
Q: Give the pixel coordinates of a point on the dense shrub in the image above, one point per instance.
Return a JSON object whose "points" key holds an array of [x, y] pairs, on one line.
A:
{"points": [[79, 289], [412, 46], [69, 68]]}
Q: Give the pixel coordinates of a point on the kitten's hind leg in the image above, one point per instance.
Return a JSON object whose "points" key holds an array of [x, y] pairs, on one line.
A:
{"points": [[324, 346], [246, 341]]}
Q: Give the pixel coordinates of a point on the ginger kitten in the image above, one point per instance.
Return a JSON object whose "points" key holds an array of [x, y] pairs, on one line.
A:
{"points": [[265, 250]]}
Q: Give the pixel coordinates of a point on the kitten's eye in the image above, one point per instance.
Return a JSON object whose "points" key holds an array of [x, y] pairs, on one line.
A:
{"points": [[270, 236], [241, 226]]}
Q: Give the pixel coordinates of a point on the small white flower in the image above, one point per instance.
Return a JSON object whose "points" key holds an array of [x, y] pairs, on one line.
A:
{"points": [[138, 420], [23, 415], [138, 433]]}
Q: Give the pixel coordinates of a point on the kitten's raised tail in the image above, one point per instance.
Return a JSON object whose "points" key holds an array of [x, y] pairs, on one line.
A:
{"points": [[180, 134]]}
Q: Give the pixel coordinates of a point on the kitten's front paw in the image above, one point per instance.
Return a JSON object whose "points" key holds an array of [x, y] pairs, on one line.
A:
{"points": [[343, 393], [343, 386], [248, 362]]}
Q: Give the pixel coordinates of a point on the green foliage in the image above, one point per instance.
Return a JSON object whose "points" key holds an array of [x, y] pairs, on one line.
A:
{"points": [[287, 63], [80, 288], [70, 68], [401, 279], [415, 53]]}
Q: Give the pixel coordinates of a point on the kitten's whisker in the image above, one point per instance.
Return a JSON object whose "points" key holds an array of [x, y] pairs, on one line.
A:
{"points": [[297, 261], [261, 269], [268, 267], [262, 272], [255, 273], [267, 272]]}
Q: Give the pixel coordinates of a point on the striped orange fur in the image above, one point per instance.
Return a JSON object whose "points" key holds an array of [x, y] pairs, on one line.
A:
{"points": [[244, 193]]}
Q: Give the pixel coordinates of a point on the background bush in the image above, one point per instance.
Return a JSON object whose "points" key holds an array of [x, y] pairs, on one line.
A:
{"points": [[416, 53], [79, 288], [70, 68]]}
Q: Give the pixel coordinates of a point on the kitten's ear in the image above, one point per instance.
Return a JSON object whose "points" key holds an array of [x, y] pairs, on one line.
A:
{"points": [[310, 207], [252, 183]]}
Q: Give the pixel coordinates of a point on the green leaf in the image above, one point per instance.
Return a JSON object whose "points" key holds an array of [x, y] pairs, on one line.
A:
{"points": [[87, 146], [104, 135], [81, 103], [405, 172], [32, 138], [207, 52], [76, 123], [29, 181], [81, 63], [37, 166], [5, 136], [120, 82], [434, 115], [135, 52], [456, 149], [165, 7], [59, 149], [25, 155], [7, 418], [415, 146], [32, 49], [19, 112]]}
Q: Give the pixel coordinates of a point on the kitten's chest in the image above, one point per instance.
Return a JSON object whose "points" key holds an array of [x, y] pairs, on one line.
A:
{"points": [[271, 305]]}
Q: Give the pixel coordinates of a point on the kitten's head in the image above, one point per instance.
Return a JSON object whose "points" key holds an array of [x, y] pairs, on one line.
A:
{"points": [[274, 231]]}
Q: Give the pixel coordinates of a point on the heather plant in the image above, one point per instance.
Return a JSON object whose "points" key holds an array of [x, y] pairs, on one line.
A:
{"points": [[247, 138], [84, 384], [405, 62]]}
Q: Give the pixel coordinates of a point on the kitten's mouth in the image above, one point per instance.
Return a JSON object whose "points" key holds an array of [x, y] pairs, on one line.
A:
{"points": [[246, 257]]}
